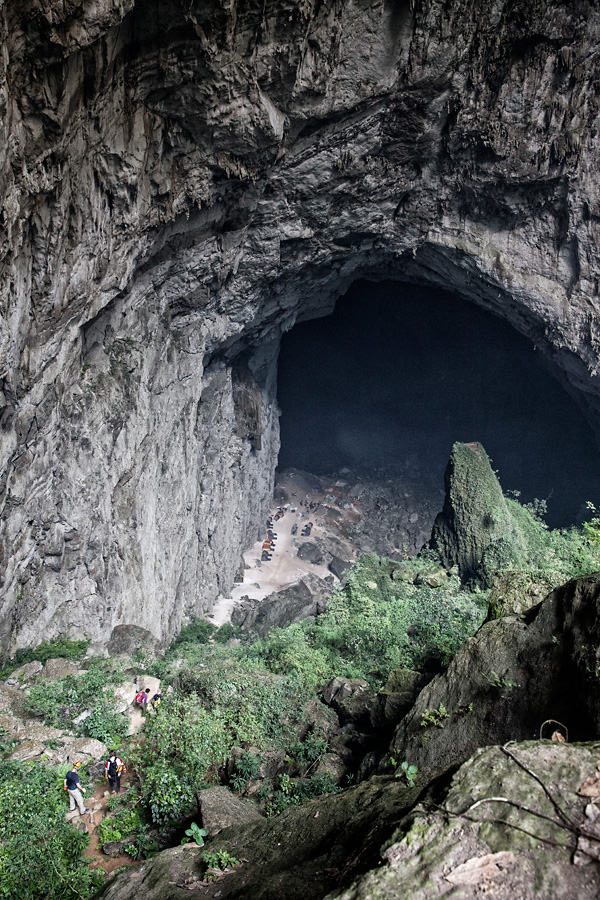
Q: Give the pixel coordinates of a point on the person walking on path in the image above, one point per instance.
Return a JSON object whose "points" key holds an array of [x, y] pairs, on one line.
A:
{"points": [[72, 785], [113, 770], [141, 700]]}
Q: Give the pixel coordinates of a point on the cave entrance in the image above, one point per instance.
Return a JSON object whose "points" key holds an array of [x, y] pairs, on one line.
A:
{"points": [[385, 385]]}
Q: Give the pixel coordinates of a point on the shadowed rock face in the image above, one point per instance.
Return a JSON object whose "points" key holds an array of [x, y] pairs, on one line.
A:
{"points": [[384, 841], [180, 183]]}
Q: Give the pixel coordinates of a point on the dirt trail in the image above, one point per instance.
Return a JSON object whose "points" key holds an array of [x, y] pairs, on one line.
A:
{"points": [[96, 802]]}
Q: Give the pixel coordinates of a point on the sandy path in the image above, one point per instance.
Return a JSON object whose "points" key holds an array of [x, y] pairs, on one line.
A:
{"points": [[285, 567]]}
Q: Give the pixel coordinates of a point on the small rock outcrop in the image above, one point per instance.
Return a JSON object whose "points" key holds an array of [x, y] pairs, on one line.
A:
{"points": [[396, 697], [351, 698]]}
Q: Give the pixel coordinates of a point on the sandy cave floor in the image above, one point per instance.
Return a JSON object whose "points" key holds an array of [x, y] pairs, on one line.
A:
{"points": [[351, 515]]}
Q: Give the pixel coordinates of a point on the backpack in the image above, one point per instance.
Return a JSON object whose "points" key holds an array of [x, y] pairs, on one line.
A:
{"points": [[112, 768], [139, 698]]}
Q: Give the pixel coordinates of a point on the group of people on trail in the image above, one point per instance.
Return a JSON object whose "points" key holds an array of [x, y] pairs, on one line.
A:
{"points": [[268, 547], [141, 700], [113, 770]]}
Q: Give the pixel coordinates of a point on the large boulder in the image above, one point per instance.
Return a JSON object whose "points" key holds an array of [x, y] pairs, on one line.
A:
{"points": [[504, 682], [299, 601], [475, 515], [377, 842], [462, 845], [311, 552], [220, 809], [25, 675], [339, 566], [126, 639], [58, 668]]}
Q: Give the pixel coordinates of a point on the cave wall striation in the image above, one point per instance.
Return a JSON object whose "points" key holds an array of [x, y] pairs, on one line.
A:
{"points": [[183, 180]]}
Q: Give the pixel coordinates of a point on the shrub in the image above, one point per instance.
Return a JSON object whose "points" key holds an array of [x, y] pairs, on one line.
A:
{"points": [[184, 746], [246, 768], [57, 648], [60, 702], [198, 631], [121, 825], [291, 793]]}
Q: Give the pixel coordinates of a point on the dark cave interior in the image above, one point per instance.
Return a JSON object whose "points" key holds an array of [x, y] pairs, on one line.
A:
{"points": [[398, 373]]}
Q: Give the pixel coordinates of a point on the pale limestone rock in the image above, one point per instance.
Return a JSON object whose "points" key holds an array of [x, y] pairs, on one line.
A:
{"points": [[168, 214], [58, 668], [24, 675]]}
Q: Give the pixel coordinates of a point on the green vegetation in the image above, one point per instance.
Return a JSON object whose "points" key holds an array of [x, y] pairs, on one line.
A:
{"points": [[246, 768], [60, 702], [553, 556], [500, 682], [406, 771], [219, 859], [287, 792], [185, 745], [143, 847], [194, 833], [59, 648], [119, 826], [40, 852], [435, 717], [377, 623]]}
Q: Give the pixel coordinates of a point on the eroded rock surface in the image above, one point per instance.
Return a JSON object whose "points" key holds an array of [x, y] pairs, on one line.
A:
{"points": [[181, 182], [373, 842], [504, 682], [461, 845]]}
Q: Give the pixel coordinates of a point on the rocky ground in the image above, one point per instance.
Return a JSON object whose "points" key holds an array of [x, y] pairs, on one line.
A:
{"points": [[387, 513], [383, 839]]}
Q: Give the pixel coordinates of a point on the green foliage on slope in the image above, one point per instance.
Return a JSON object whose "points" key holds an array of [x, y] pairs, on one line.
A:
{"points": [[60, 702], [40, 852]]}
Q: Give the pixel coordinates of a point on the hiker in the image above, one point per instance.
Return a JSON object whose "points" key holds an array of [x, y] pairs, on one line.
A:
{"points": [[72, 785], [156, 700], [113, 770], [141, 700]]}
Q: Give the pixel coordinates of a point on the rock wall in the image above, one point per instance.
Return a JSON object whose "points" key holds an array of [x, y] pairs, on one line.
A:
{"points": [[180, 182]]}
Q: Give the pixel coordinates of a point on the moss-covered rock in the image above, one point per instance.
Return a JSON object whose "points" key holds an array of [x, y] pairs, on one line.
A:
{"points": [[508, 679], [513, 593], [475, 516], [464, 846]]}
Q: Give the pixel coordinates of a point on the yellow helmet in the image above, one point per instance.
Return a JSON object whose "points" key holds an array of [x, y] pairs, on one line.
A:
{"points": [[76, 765]]}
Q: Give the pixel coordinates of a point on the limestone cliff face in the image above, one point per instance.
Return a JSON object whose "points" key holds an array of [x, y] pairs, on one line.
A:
{"points": [[181, 180]]}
